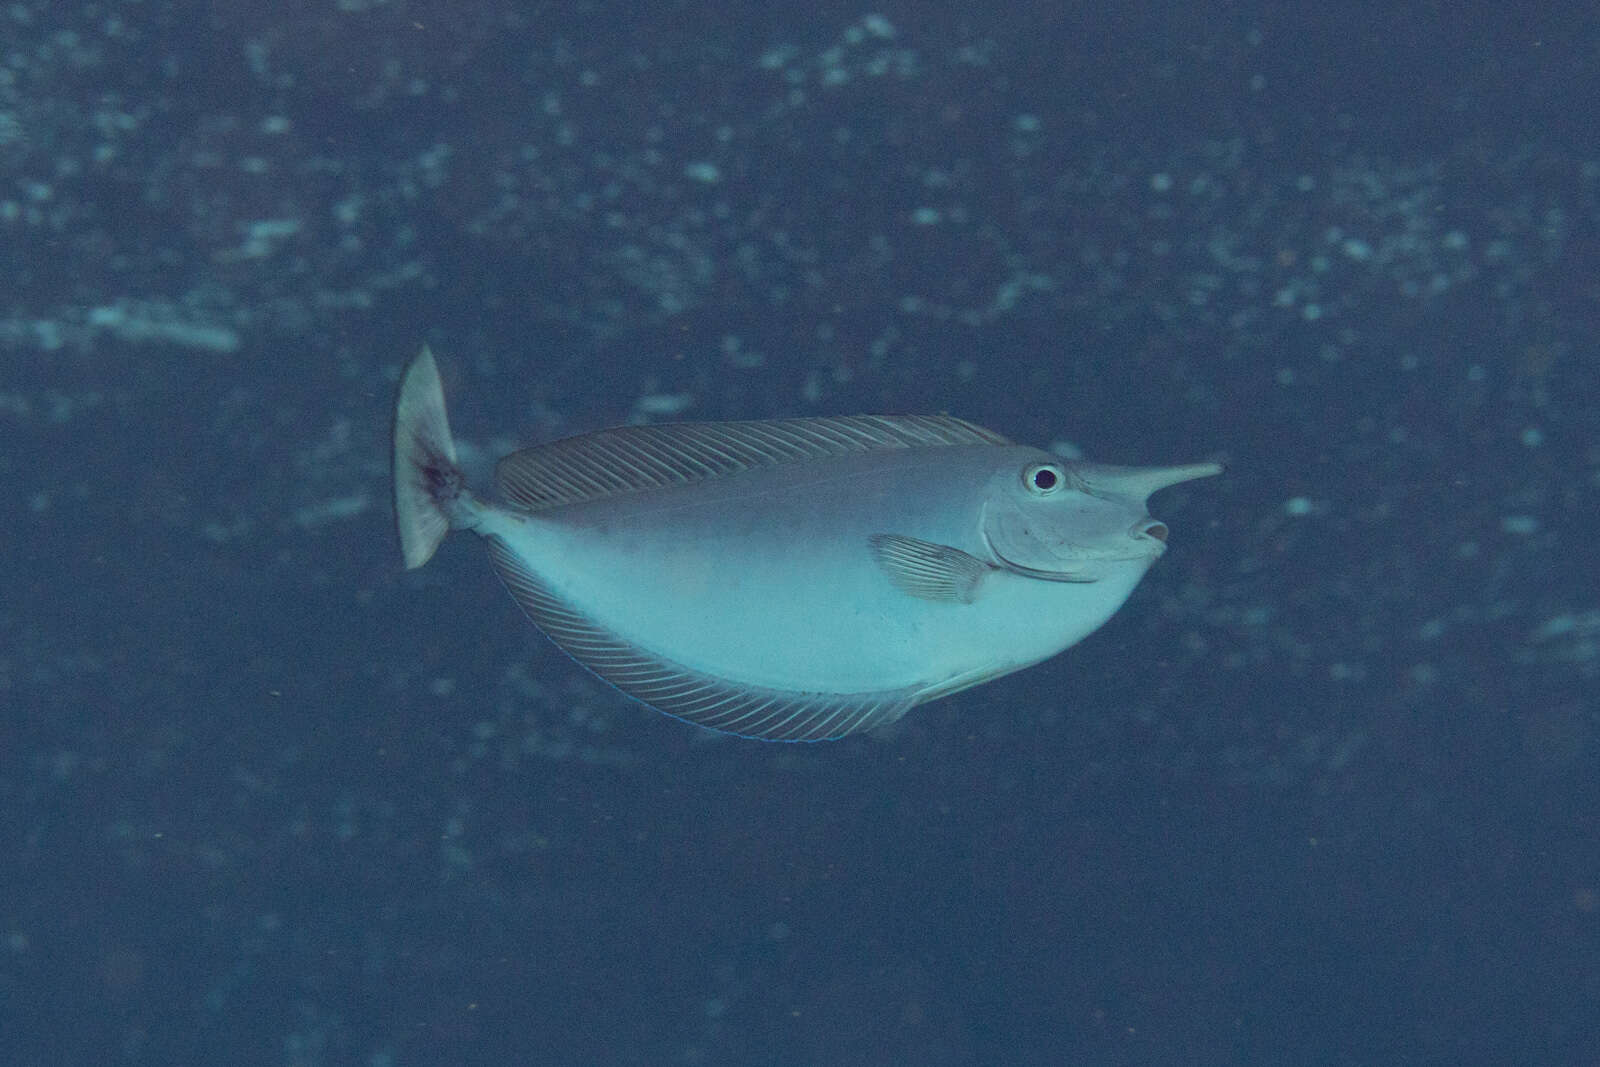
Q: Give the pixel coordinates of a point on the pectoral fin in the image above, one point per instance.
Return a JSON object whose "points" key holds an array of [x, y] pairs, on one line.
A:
{"points": [[929, 571]]}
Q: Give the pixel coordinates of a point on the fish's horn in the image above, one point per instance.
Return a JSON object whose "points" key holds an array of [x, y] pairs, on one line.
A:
{"points": [[1140, 482]]}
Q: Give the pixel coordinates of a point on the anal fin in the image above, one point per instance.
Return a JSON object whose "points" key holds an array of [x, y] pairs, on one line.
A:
{"points": [[706, 700]]}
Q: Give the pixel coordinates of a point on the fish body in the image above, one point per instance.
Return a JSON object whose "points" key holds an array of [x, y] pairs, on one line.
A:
{"points": [[794, 579]]}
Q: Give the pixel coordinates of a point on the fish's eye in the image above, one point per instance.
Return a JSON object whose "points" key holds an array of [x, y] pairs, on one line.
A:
{"points": [[1042, 479]]}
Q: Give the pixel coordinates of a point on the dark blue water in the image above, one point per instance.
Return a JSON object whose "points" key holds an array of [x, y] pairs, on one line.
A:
{"points": [[1323, 792]]}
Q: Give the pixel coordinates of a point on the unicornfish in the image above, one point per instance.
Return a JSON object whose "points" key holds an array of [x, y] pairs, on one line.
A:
{"points": [[796, 579]]}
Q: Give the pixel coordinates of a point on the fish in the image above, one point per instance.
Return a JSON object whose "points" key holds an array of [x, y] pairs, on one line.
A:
{"points": [[792, 579]]}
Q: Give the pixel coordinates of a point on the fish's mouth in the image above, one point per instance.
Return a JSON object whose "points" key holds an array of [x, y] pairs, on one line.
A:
{"points": [[1148, 542]]}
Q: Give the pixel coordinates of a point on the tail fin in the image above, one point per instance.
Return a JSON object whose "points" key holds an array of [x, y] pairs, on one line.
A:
{"points": [[426, 479]]}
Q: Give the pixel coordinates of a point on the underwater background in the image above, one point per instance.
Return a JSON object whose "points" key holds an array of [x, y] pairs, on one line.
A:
{"points": [[1324, 792]]}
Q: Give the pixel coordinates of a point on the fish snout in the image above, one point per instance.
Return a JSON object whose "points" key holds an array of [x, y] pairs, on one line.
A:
{"points": [[1148, 529]]}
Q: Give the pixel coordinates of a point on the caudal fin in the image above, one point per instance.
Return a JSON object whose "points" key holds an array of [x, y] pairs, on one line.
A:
{"points": [[426, 479]]}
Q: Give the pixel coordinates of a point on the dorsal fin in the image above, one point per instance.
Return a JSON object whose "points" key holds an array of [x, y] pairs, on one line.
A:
{"points": [[630, 458]]}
